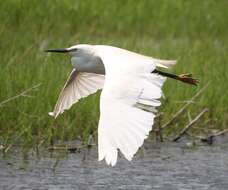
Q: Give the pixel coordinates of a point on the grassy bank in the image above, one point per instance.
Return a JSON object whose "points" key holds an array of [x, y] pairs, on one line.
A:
{"points": [[194, 32]]}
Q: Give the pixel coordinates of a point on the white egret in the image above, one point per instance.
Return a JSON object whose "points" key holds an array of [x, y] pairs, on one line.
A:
{"points": [[131, 91]]}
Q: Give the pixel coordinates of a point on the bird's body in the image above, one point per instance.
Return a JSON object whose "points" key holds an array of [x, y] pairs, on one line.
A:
{"points": [[88, 59], [131, 92]]}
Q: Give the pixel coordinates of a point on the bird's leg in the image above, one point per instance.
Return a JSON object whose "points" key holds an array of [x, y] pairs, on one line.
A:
{"points": [[186, 78]]}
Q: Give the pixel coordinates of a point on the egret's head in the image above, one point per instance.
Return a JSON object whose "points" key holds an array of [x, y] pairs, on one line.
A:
{"points": [[77, 50]]}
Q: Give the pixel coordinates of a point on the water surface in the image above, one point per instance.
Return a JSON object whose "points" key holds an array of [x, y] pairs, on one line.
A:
{"points": [[166, 166]]}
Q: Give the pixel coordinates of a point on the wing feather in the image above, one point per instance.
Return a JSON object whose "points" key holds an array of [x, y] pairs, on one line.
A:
{"points": [[78, 85], [124, 125]]}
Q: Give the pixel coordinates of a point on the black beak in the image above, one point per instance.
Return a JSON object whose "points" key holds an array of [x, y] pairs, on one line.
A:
{"points": [[60, 50]]}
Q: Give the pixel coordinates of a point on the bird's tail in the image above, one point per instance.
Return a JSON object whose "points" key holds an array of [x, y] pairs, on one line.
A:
{"points": [[165, 63]]}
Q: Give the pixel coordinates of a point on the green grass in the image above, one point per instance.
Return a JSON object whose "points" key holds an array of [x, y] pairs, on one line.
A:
{"points": [[194, 32]]}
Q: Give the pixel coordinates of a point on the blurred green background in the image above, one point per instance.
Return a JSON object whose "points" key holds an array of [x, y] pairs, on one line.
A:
{"points": [[193, 32]]}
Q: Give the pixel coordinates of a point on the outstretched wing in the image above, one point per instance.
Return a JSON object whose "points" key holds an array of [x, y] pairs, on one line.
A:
{"points": [[78, 85], [127, 103]]}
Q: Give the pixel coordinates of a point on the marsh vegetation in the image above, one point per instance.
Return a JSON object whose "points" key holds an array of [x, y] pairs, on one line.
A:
{"points": [[193, 32]]}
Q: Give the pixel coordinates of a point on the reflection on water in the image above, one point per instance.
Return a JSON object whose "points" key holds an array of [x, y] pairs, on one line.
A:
{"points": [[158, 166]]}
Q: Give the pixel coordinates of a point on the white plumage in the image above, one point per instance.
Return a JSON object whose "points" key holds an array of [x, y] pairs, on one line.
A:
{"points": [[128, 100], [78, 85]]}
